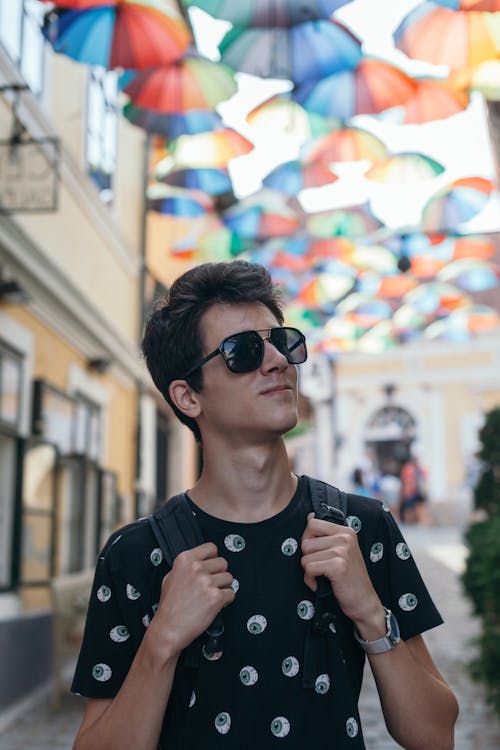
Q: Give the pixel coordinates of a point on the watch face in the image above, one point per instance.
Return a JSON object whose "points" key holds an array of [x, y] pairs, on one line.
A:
{"points": [[395, 634]]}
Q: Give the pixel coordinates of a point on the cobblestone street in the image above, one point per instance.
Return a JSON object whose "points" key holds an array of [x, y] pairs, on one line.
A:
{"points": [[440, 555]]}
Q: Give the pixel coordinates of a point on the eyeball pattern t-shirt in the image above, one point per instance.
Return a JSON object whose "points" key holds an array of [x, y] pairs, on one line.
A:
{"points": [[254, 692]]}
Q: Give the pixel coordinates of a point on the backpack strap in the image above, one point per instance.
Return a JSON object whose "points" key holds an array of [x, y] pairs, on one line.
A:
{"points": [[329, 504], [176, 529]]}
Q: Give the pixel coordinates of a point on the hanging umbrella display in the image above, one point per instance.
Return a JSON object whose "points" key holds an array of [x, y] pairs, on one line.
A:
{"points": [[79, 4], [299, 54], [209, 149], [464, 323], [173, 125], [436, 298], [471, 275], [405, 168], [262, 13], [443, 36], [325, 289], [304, 318], [340, 335], [413, 243], [345, 144], [262, 215], [477, 247], [433, 100], [372, 87], [292, 177], [395, 286], [121, 34], [179, 203], [378, 339], [189, 84], [363, 310], [347, 222], [284, 252], [491, 6], [211, 181], [408, 323], [456, 204], [282, 114], [321, 250], [373, 258], [486, 80]]}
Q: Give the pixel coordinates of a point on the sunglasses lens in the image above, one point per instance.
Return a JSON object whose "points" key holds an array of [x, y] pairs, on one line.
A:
{"points": [[243, 352], [291, 343]]}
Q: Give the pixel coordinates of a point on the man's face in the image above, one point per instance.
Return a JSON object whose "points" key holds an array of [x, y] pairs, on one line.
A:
{"points": [[253, 406]]}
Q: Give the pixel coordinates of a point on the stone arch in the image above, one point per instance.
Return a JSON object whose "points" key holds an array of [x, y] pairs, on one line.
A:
{"points": [[388, 435]]}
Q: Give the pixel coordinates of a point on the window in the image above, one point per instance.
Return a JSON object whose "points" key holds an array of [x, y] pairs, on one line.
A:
{"points": [[88, 438], [8, 472], [54, 416], [102, 130], [11, 376], [20, 34]]}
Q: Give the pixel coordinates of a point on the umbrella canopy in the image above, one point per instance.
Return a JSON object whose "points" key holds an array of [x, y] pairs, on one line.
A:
{"points": [[209, 149], [262, 13], [371, 88], [292, 177], [345, 144], [405, 168], [123, 34], [433, 100], [281, 113], [173, 125], [462, 324], [325, 289], [443, 36], [471, 275], [299, 54], [491, 6], [363, 310], [456, 204], [79, 4], [436, 298], [486, 79], [211, 181], [188, 84], [179, 203], [262, 215], [347, 222], [217, 244]]}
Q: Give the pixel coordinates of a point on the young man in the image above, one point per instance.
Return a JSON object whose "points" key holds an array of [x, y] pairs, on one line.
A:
{"points": [[217, 350]]}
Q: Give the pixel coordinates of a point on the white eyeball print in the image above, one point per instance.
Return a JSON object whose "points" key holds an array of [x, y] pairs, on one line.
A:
{"points": [[402, 551], [101, 672], [235, 585], [132, 593], [408, 602], [305, 610], [234, 543], [104, 594], [280, 726], [322, 684], [256, 624], [289, 546], [290, 666], [376, 552], [354, 522], [223, 722], [156, 556], [119, 634], [351, 727], [211, 655], [249, 675]]}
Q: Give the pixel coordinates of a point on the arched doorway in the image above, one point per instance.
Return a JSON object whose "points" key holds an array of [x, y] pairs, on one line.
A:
{"points": [[389, 435]]}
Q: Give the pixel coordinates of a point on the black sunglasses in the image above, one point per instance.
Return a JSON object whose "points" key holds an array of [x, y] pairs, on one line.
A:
{"points": [[244, 352]]}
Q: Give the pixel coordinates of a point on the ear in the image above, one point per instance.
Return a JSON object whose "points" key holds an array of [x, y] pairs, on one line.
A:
{"points": [[185, 399]]}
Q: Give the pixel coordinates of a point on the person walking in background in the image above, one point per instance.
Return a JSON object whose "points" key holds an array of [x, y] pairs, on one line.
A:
{"points": [[413, 493], [219, 353], [358, 483]]}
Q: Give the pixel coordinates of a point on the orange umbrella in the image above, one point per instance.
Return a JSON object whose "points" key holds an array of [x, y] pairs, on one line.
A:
{"points": [[442, 36], [214, 149], [345, 144], [396, 286], [405, 168], [433, 100], [491, 6]]}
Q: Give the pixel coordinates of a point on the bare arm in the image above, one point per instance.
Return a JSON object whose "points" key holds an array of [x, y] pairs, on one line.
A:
{"points": [[419, 708], [196, 589]]}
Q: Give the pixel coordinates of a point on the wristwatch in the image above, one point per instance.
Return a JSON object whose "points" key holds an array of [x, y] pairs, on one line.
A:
{"points": [[388, 642]]}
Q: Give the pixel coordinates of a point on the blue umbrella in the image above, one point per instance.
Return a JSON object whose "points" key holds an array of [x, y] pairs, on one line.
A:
{"points": [[173, 125], [211, 181]]}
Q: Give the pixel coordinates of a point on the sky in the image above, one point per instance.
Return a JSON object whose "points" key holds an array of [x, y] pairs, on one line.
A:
{"points": [[460, 143]]}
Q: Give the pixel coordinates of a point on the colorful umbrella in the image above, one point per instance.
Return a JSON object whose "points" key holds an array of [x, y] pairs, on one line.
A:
{"points": [[209, 149], [262, 215], [174, 125], [217, 244], [456, 204], [486, 79], [373, 258], [436, 298], [321, 250], [188, 84], [282, 114], [299, 54], [460, 325], [292, 177], [371, 88], [123, 34], [378, 339], [394, 286], [433, 100], [345, 144], [442, 36], [491, 6], [346, 222], [79, 4], [325, 289], [363, 310], [211, 181], [176, 204], [408, 322], [304, 318], [405, 168], [413, 243], [471, 275], [262, 13]]}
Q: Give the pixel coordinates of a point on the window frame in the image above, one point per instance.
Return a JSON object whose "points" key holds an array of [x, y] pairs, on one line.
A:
{"points": [[97, 133]]}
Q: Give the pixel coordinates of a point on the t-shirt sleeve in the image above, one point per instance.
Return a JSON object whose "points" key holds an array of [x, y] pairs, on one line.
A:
{"points": [[106, 653], [397, 579]]}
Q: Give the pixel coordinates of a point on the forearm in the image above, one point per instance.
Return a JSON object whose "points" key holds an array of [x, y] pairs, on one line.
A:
{"points": [[134, 717], [419, 708]]}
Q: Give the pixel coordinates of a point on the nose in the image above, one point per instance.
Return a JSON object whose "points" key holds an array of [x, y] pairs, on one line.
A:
{"points": [[273, 358]]}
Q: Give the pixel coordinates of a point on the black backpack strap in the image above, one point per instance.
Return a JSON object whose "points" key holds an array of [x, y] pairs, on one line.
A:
{"points": [[329, 504], [176, 529]]}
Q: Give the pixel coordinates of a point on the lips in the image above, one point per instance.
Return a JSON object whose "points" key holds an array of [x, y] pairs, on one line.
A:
{"points": [[276, 389]]}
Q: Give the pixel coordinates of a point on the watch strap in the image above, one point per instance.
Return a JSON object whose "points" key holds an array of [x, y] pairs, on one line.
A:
{"points": [[389, 641]]}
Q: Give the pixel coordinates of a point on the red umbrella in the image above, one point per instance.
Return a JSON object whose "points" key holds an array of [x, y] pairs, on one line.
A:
{"points": [[79, 4], [345, 144], [491, 6], [188, 84], [433, 100]]}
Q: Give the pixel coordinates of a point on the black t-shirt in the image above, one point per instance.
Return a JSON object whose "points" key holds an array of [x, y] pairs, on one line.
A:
{"points": [[254, 694]]}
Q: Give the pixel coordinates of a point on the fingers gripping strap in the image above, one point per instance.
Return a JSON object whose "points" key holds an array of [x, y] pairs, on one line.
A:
{"points": [[175, 528]]}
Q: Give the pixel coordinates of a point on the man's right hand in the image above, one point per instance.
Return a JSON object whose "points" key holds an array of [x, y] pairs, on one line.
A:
{"points": [[192, 593]]}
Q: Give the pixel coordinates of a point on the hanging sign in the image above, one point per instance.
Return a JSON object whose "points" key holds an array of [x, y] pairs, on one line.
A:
{"points": [[29, 174]]}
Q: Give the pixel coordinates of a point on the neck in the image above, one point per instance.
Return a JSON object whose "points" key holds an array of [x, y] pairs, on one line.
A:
{"points": [[247, 484]]}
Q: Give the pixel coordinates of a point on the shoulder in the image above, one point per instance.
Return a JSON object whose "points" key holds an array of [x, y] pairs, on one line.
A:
{"points": [[129, 546]]}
